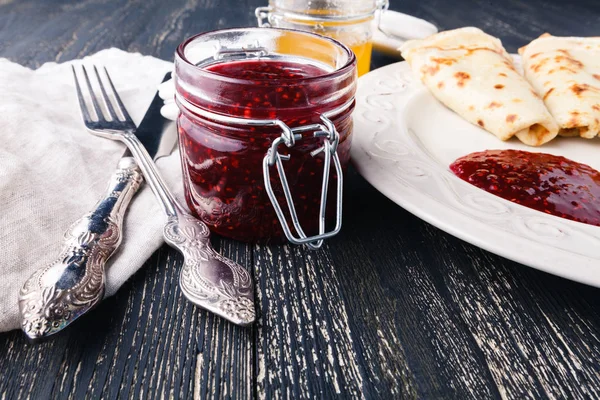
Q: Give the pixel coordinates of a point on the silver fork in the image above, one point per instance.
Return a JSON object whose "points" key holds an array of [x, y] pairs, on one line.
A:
{"points": [[207, 279]]}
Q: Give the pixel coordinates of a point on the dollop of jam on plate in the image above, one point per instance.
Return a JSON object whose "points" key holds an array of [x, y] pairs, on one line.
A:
{"points": [[551, 184]]}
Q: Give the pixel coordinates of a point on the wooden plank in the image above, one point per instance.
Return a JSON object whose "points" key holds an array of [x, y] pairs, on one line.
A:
{"points": [[35, 32], [419, 337], [304, 343], [541, 319], [19, 365], [225, 353], [515, 22]]}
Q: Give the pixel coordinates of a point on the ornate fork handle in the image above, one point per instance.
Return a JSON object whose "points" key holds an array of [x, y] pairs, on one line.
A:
{"points": [[207, 279], [56, 295]]}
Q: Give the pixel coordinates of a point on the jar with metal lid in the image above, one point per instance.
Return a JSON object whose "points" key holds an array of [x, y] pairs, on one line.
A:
{"points": [[349, 21], [265, 131]]}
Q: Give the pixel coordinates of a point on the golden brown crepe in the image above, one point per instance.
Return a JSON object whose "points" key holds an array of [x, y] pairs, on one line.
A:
{"points": [[565, 72], [471, 73]]}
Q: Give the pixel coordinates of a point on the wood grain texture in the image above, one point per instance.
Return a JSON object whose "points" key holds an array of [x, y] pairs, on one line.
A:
{"points": [[390, 308]]}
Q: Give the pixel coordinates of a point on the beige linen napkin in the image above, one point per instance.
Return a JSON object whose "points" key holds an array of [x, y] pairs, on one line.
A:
{"points": [[52, 171]]}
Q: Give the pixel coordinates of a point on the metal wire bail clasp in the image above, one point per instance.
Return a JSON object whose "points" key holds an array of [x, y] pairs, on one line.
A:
{"points": [[262, 16], [381, 7], [289, 136]]}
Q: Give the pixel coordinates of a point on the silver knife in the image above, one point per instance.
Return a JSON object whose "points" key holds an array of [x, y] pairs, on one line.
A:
{"points": [[54, 296]]}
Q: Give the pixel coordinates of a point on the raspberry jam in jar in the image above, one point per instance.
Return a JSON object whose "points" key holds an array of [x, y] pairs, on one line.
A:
{"points": [[262, 126]]}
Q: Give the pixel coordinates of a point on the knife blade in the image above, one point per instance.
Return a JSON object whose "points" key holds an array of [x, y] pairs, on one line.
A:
{"points": [[56, 295], [157, 134]]}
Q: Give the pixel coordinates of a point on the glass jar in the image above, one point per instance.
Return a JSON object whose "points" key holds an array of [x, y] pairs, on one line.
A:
{"points": [[265, 130], [349, 21]]}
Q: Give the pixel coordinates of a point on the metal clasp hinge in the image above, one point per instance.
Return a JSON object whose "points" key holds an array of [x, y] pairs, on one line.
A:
{"points": [[382, 6], [289, 137], [262, 16]]}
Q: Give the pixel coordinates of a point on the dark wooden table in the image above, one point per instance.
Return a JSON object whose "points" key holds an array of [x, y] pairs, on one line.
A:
{"points": [[390, 308]]}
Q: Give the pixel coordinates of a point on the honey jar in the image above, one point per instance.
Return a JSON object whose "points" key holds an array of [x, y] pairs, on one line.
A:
{"points": [[349, 21]]}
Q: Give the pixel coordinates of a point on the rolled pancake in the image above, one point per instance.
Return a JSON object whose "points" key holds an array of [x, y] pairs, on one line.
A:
{"points": [[471, 73], [565, 72]]}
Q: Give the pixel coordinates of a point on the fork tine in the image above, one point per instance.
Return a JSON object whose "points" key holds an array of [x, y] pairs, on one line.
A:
{"points": [[119, 102], [107, 101], [82, 105], [93, 96]]}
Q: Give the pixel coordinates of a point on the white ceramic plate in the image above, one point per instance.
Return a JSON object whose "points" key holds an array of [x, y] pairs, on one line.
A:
{"points": [[405, 140]]}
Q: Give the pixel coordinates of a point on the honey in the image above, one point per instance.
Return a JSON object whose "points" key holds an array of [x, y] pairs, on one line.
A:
{"points": [[361, 49], [363, 56]]}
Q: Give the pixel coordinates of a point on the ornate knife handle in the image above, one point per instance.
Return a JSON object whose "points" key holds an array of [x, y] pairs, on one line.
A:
{"points": [[54, 296]]}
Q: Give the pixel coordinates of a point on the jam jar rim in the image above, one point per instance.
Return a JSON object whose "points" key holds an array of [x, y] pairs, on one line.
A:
{"points": [[350, 63]]}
